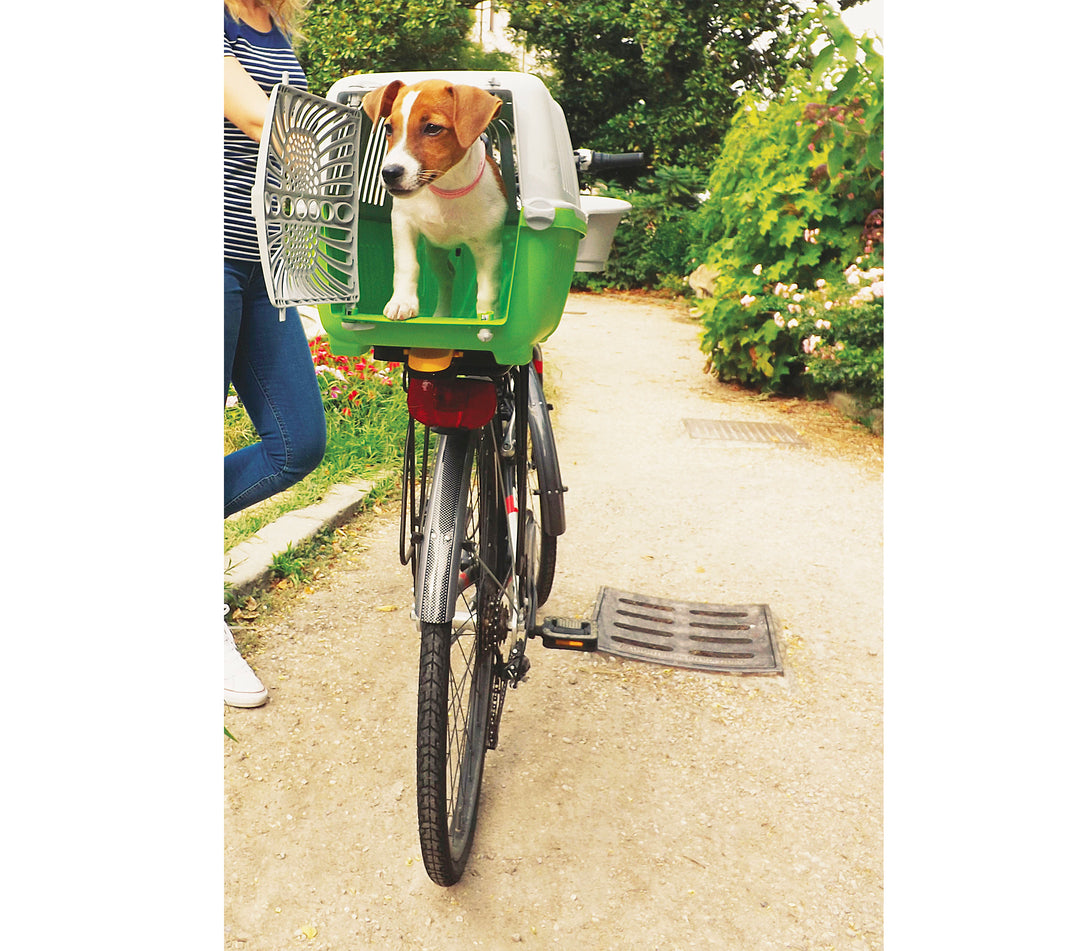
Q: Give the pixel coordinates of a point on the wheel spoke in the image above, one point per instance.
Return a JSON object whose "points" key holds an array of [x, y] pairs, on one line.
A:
{"points": [[458, 713]]}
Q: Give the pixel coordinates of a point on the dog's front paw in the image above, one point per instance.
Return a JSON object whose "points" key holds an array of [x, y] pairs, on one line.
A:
{"points": [[401, 308]]}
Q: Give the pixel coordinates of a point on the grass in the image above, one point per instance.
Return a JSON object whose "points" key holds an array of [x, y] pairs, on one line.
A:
{"points": [[298, 568], [289, 564], [366, 419]]}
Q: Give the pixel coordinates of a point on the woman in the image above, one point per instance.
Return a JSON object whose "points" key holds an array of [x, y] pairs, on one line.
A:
{"points": [[266, 351]]}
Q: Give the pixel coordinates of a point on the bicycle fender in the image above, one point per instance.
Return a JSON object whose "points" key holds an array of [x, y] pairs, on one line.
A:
{"points": [[549, 479], [444, 525]]}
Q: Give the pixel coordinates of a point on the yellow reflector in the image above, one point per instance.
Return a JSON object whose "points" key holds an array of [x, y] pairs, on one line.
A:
{"points": [[427, 360]]}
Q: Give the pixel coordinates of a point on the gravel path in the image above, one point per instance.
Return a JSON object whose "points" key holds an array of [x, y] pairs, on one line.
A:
{"points": [[629, 805]]}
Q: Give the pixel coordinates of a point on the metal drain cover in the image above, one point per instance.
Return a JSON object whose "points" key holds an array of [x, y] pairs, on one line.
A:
{"points": [[743, 431], [738, 638]]}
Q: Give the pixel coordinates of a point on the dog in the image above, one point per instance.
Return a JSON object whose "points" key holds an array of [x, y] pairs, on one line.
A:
{"points": [[445, 187]]}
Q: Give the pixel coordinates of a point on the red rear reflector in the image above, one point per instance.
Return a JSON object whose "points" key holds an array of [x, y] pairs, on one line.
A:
{"points": [[452, 403]]}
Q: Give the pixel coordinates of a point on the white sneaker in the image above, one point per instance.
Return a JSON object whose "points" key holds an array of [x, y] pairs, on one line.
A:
{"points": [[242, 687]]}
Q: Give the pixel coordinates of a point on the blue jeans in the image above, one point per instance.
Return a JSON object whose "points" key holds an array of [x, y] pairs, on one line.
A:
{"points": [[269, 363]]}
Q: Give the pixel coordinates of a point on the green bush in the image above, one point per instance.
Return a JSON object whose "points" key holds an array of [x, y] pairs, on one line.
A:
{"points": [[833, 330], [796, 201], [846, 352], [654, 243]]}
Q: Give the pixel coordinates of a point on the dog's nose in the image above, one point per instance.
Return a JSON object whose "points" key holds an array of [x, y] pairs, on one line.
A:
{"points": [[392, 173]]}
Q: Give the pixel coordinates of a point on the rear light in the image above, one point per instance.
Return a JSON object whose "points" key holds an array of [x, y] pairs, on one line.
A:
{"points": [[452, 403]]}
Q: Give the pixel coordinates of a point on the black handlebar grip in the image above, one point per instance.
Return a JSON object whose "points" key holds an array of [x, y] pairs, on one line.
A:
{"points": [[589, 161], [606, 160]]}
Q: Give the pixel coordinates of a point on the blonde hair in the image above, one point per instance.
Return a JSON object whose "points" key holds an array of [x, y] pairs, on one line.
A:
{"points": [[287, 14]]}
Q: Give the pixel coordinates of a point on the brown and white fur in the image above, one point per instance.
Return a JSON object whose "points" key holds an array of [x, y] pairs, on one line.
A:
{"points": [[444, 185]]}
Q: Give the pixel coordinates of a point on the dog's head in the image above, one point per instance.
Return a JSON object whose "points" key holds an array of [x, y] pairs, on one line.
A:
{"points": [[430, 126]]}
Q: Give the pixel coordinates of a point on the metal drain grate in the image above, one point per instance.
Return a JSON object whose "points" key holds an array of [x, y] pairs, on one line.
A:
{"points": [[742, 431], [737, 638]]}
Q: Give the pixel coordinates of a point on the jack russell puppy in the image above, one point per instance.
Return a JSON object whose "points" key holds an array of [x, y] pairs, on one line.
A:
{"points": [[445, 187]]}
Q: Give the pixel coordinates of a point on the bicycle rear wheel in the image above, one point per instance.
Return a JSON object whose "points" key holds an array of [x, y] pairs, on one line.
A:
{"points": [[457, 672]]}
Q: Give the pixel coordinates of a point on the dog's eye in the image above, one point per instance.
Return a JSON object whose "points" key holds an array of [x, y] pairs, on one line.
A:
{"points": [[387, 131], [432, 129]]}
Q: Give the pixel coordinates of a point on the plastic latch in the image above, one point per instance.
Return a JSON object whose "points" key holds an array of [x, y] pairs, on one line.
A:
{"points": [[539, 214]]}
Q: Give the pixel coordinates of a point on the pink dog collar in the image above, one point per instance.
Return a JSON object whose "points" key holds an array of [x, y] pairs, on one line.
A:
{"points": [[458, 192]]}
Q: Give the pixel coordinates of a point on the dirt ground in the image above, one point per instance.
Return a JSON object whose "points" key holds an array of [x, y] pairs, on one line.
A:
{"points": [[629, 805]]}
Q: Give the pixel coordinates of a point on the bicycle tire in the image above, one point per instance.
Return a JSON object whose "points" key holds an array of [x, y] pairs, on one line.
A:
{"points": [[545, 481], [457, 671], [548, 549]]}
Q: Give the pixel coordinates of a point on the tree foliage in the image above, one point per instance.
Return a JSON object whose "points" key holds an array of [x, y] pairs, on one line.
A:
{"points": [[343, 37], [658, 76]]}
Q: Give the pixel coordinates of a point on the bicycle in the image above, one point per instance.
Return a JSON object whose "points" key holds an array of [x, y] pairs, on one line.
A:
{"points": [[479, 444]]}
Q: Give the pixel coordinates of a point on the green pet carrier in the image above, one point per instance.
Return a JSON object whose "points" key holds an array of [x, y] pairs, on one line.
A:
{"points": [[324, 220]]}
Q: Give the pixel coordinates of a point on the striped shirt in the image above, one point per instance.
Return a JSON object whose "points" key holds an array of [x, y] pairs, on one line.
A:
{"points": [[265, 56]]}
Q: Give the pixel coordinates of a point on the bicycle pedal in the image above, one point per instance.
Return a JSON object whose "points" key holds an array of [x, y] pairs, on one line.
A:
{"points": [[567, 634]]}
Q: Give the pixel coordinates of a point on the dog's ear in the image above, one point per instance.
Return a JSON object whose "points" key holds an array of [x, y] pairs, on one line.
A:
{"points": [[473, 110], [377, 104]]}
